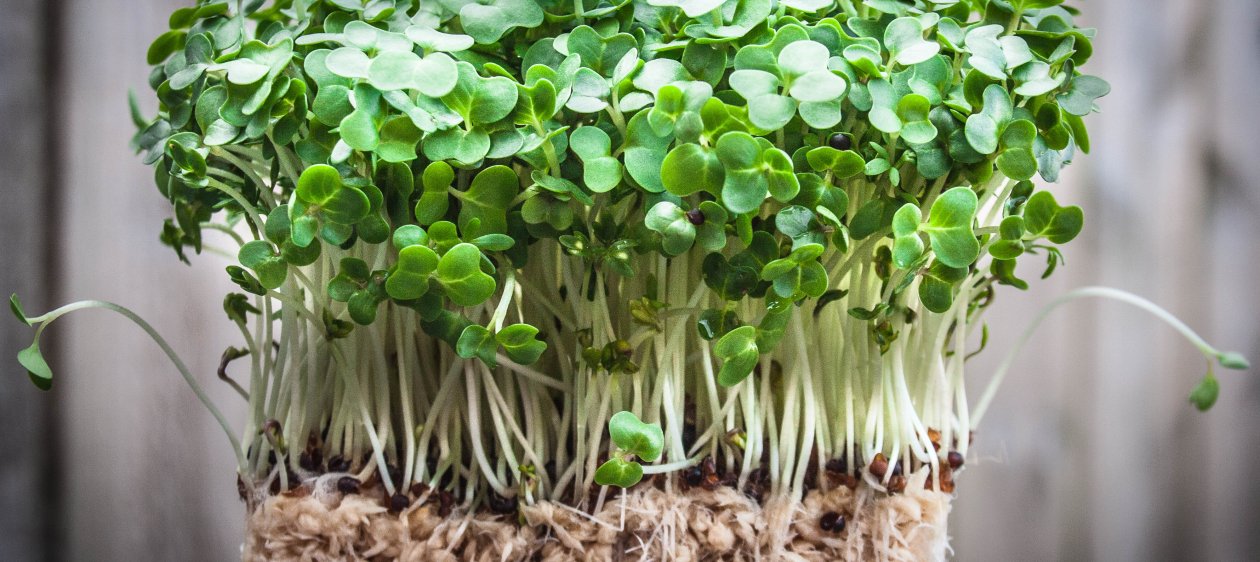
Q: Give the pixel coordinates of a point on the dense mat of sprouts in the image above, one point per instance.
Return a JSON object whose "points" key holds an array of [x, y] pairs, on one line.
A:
{"points": [[527, 247]]}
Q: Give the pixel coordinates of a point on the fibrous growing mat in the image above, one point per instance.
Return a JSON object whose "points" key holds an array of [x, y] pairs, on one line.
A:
{"points": [[317, 523]]}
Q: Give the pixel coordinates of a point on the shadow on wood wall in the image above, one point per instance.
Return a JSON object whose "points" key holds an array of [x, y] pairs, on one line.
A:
{"points": [[1090, 453]]}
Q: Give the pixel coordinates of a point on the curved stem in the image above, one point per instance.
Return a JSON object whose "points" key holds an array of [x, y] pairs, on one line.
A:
{"points": [[1100, 292], [48, 318]]}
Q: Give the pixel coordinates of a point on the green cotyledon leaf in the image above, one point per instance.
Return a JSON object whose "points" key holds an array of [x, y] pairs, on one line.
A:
{"points": [[521, 344], [738, 352], [949, 227], [635, 437], [459, 272]]}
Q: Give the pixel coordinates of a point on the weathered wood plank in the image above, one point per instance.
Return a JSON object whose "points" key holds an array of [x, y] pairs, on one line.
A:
{"points": [[148, 474], [1099, 456], [26, 478]]}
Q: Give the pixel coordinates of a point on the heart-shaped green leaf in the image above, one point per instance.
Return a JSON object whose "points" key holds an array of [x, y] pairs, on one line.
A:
{"points": [[1080, 97], [1044, 218], [714, 323], [481, 100], [520, 343], [842, 164], [797, 222], [983, 129], [478, 342], [711, 234], [1009, 244], [597, 52], [671, 222], [536, 103], [938, 286], [745, 185], [321, 188], [738, 352], [907, 244], [782, 182], [266, 262], [635, 437], [410, 278], [36, 367], [486, 21], [729, 281], [486, 202], [913, 111], [689, 168], [1205, 393], [618, 472], [905, 43], [600, 170], [459, 272], [949, 227]]}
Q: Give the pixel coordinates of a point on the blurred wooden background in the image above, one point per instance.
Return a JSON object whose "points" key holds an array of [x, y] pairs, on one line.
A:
{"points": [[1090, 453]]}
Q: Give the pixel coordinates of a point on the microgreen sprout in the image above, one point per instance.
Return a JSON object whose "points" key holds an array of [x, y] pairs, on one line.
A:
{"points": [[484, 246]]}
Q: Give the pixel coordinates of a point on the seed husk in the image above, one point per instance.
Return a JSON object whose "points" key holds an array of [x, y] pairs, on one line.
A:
{"points": [[398, 502], [695, 216], [840, 141], [348, 485], [879, 466], [832, 522], [897, 484]]}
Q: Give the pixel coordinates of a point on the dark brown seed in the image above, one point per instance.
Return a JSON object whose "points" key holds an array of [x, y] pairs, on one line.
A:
{"points": [[695, 217], [897, 484], [832, 522], [947, 478], [338, 463], [840, 141], [709, 476], [445, 501], [398, 502], [837, 466], [502, 505], [311, 459], [811, 471], [755, 488], [348, 485], [693, 476], [879, 466], [955, 460], [897, 470]]}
